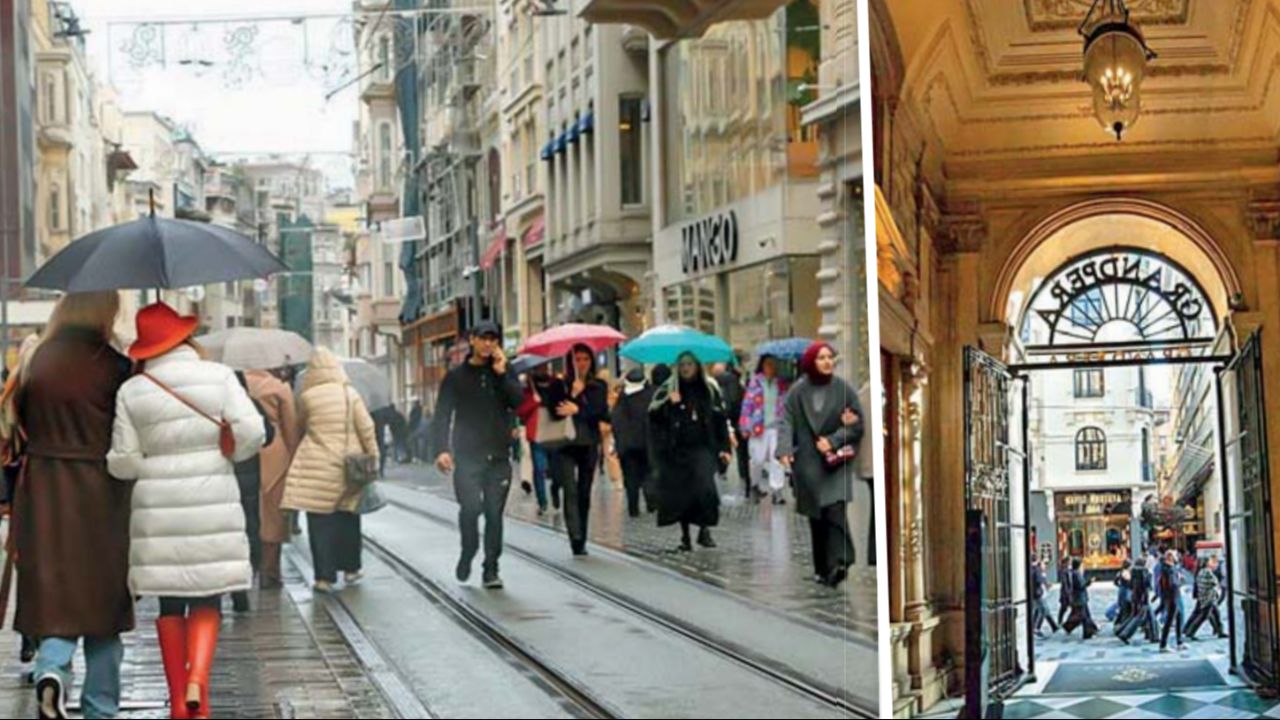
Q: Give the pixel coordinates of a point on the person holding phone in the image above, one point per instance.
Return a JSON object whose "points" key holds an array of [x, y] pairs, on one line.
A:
{"points": [[471, 438]]}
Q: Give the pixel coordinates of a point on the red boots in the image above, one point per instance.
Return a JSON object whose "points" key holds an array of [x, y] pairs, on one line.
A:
{"points": [[172, 631], [187, 646], [202, 641]]}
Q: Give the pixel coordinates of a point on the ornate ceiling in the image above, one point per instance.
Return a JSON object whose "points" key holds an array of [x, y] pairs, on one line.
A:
{"points": [[1000, 79]]}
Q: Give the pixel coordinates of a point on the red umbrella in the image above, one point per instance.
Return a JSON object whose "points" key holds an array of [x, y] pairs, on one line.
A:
{"points": [[560, 340]]}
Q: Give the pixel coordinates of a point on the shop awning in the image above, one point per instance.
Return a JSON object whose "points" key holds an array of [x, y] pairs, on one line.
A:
{"points": [[586, 124], [536, 232], [573, 134], [495, 248], [549, 150], [562, 142]]}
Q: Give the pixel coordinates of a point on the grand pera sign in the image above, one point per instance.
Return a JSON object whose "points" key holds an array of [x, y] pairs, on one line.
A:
{"points": [[709, 243]]}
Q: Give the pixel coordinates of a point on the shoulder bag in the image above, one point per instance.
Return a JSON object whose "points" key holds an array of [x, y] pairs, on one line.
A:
{"points": [[360, 468], [226, 436]]}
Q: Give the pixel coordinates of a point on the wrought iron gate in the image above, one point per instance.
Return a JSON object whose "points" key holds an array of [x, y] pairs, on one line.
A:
{"points": [[1251, 579], [998, 635]]}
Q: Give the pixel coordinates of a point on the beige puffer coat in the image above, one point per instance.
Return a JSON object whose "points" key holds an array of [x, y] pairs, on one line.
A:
{"points": [[335, 423]]}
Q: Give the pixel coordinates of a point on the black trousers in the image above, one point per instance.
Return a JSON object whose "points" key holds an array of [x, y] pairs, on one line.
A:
{"points": [[1080, 617], [336, 544], [481, 489], [1139, 619], [832, 545], [180, 606], [574, 469], [1172, 619], [250, 502], [1064, 607], [744, 461], [635, 476], [1204, 611]]}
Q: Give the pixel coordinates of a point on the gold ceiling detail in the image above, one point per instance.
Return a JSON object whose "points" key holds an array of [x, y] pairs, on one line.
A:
{"points": [[1045, 15]]}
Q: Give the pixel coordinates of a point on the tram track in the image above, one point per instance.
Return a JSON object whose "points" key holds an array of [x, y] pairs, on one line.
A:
{"points": [[577, 701], [835, 698]]}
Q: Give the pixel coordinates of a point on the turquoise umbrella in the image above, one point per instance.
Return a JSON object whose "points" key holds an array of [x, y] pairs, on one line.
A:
{"points": [[666, 343]]}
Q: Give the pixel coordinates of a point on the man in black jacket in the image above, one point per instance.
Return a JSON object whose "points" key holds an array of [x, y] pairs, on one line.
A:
{"points": [[630, 420], [471, 438]]}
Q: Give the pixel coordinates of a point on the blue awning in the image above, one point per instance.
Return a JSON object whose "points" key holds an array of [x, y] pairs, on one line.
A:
{"points": [[549, 150], [573, 133], [562, 142], [586, 124]]}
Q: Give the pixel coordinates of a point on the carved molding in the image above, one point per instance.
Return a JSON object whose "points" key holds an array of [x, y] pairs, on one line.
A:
{"points": [[1045, 15], [963, 231], [1263, 216]]}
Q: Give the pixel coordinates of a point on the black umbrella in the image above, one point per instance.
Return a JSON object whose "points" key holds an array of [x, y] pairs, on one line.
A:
{"points": [[524, 363], [155, 252]]}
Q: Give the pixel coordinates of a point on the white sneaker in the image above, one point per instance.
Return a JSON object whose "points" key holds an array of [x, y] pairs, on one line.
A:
{"points": [[352, 578]]}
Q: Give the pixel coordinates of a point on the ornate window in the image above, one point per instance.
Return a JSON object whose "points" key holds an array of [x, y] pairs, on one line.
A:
{"points": [[1091, 449]]}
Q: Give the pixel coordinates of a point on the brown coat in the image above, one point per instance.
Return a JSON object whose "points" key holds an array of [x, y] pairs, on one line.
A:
{"points": [[71, 519], [276, 400]]}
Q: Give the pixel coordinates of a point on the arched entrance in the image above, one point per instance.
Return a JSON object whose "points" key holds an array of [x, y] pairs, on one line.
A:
{"points": [[1106, 291]]}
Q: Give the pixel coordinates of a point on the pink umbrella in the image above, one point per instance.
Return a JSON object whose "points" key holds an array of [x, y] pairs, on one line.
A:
{"points": [[560, 340]]}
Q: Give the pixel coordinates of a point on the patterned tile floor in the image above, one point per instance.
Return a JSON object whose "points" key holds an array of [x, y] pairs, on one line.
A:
{"points": [[763, 554], [1231, 700]]}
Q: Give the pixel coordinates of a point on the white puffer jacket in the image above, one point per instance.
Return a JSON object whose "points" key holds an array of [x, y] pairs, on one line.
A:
{"points": [[187, 536]]}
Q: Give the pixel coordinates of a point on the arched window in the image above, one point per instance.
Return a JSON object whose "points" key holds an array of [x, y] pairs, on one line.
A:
{"points": [[1091, 449], [384, 156], [55, 208]]}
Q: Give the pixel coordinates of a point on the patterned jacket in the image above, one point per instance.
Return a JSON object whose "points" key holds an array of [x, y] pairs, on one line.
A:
{"points": [[1207, 587], [752, 421]]}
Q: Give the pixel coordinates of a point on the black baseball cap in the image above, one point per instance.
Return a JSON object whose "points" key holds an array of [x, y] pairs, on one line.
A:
{"points": [[486, 328]]}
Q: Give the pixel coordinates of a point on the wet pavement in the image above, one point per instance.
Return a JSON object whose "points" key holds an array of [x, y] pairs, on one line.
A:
{"points": [[273, 662], [764, 550]]}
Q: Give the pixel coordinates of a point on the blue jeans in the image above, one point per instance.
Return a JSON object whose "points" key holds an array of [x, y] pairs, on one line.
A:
{"points": [[539, 456], [100, 697]]}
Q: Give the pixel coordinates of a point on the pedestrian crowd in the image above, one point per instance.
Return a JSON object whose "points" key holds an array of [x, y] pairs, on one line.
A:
{"points": [[1149, 599], [157, 473], [671, 432]]}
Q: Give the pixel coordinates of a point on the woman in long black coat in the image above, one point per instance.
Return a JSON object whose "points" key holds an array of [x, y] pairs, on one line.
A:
{"points": [[690, 435], [821, 415]]}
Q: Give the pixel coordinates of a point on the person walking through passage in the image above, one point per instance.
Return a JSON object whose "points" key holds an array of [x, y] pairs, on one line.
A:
{"points": [[729, 378], [584, 398], [761, 416], [1080, 617], [275, 399], [630, 421], [1169, 589], [471, 438], [1140, 617], [70, 524], [1119, 613], [335, 425], [1208, 593], [690, 435], [1064, 590], [180, 425], [249, 478], [821, 417], [1039, 587]]}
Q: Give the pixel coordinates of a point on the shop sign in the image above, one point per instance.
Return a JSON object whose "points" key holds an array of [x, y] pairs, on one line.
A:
{"points": [[709, 243], [1155, 354], [1111, 502]]}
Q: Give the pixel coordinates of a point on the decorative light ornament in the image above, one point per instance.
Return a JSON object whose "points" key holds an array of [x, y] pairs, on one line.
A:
{"points": [[1115, 63]]}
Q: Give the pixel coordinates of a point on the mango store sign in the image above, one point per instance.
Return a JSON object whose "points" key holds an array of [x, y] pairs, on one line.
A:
{"points": [[709, 243]]}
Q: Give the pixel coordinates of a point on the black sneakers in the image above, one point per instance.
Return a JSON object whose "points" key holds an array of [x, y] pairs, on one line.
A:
{"points": [[491, 580], [704, 538], [464, 569]]}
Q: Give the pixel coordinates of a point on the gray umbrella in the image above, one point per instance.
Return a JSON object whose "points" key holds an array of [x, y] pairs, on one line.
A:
{"points": [[155, 252], [248, 348], [368, 379]]}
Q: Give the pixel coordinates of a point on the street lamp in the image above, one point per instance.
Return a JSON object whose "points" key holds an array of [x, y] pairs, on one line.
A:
{"points": [[1115, 63]]}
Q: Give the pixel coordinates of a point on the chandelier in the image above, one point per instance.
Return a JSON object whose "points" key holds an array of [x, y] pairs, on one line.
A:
{"points": [[1115, 62]]}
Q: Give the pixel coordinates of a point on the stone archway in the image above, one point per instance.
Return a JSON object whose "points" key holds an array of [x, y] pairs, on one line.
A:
{"points": [[1110, 222]]}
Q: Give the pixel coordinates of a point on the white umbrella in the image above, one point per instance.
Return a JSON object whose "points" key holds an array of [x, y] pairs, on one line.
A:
{"points": [[247, 348]]}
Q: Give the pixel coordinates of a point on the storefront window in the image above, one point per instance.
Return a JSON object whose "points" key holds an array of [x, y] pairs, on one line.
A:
{"points": [[772, 300], [692, 304]]}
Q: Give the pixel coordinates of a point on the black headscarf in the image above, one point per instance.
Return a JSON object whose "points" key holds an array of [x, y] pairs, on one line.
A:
{"points": [[661, 374]]}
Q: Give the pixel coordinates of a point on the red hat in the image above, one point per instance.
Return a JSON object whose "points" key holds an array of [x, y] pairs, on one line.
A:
{"points": [[161, 329]]}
